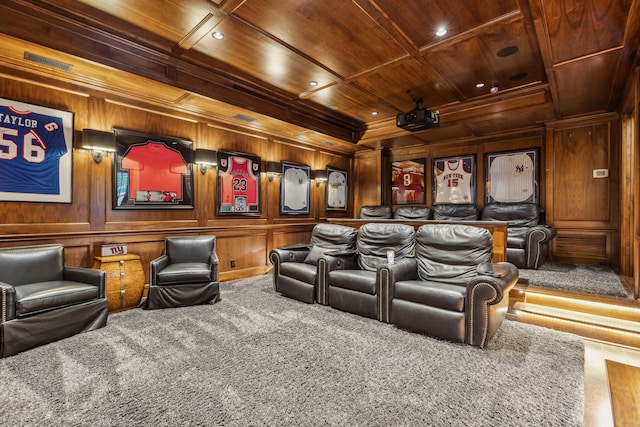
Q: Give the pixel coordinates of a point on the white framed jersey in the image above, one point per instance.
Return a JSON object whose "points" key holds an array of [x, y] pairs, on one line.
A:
{"points": [[511, 177], [454, 181], [336, 192], [35, 153], [294, 193]]}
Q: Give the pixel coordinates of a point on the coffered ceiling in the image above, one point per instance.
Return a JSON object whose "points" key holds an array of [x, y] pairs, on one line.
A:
{"points": [[369, 59]]}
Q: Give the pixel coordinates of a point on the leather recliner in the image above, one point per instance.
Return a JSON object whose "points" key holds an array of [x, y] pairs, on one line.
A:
{"points": [[353, 283], [186, 274], [450, 289], [45, 301], [297, 270], [376, 212], [527, 240], [412, 213], [455, 212]]}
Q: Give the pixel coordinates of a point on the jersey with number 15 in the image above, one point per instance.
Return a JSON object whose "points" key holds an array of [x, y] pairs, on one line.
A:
{"points": [[31, 146]]}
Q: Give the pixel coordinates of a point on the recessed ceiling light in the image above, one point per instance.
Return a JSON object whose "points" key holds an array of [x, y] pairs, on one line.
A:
{"points": [[313, 83], [479, 85], [374, 113], [441, 31], [217, 35], [332, 107]]}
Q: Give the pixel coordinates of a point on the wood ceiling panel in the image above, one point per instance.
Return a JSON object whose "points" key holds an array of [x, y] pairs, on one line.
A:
{"points": [[475, 60], [262, 57], [596, 73], [335, 33], [401, 82], [170, 19], [353, 102], [419, 19], [577, 28]]}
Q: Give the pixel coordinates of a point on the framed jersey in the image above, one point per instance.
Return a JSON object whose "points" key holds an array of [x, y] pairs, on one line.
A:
{"points": [[152, 172], [407, 182], [295, 189], [35, 153], [454, 180], [238, 184], [336, 190], [512, 176]]}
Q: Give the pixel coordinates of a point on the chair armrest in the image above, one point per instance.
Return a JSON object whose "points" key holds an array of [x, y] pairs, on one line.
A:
{"points": [[92, 276], [388, 274], [214, 264], [540, 234], [487, 297], [296, 247], [156, 265], [7, 302], [341, 259], [280, 255]]}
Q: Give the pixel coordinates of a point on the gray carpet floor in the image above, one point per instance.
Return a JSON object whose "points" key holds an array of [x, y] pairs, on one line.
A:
{"points": [[258, 358], [591, 279]]}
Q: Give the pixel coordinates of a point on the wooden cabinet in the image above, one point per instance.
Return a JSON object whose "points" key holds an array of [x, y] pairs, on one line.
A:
{"points": [[125, 280]]}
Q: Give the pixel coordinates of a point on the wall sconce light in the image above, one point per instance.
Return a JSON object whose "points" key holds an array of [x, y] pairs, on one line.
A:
{"points": [[273, 169], [100, 143], [205, 158], [320, 176]]}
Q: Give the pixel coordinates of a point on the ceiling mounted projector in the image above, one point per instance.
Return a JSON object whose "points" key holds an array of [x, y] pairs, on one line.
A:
{"points": [[418, 118]]}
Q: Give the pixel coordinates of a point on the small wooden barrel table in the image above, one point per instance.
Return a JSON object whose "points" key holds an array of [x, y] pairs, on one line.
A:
{"points": [[125, 280]]}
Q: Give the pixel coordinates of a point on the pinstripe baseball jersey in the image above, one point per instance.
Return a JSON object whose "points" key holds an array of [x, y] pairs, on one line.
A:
{"points": [[512, 178]]}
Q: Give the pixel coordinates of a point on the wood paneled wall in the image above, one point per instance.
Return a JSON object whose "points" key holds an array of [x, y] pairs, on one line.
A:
{"points": [[90, 221]]}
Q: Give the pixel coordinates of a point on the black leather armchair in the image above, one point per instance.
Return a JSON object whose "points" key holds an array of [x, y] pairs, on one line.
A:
{"points": [[376, 212], [527, 240], [44, 301], [297, 271], [450, 289], [187, 273], [353, 283], [454, 212], [412, 213]]}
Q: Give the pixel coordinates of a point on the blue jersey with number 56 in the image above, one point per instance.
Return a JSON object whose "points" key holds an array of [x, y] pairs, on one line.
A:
{"points": [[31, 146]]}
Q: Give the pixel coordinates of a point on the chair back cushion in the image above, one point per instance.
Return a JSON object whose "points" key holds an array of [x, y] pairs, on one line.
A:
{"points": [[453, 212], [375, 239], [31, 264], [450, 253], [190, 249], [374, 212], [517, 214], [330, 237], [412, 213]]}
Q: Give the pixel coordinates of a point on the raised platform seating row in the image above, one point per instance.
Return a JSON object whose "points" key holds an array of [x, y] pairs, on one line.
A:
{"points": [[439, 280], [527, 240]]}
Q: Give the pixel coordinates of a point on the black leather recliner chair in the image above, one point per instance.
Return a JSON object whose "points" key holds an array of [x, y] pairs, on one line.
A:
{"points": [[455, 212], [376, 212], [353, 283], [187, 273], [297, 271], [44, 301], [450, 289], [412, 213], [527, 240]]}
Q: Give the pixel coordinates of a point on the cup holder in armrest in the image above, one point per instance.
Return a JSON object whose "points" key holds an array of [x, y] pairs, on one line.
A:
{"points": [[495, 270]]}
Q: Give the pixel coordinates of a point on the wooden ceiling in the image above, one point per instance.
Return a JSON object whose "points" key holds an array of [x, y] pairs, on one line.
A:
{"points": [[549, 59]]}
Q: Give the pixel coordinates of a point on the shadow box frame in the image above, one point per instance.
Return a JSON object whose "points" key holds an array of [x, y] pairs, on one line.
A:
{"points": [[168, 162], [37, 148], [405, 180], [238, 187], [510, 168], [294, 179], [451, 178], [336, 178]]}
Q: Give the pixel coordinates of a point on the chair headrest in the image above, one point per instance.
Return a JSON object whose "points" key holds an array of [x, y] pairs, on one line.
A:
{"points": [[519, 214], [419, 213], [375, 239], [372, 212], [454, 212]]}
